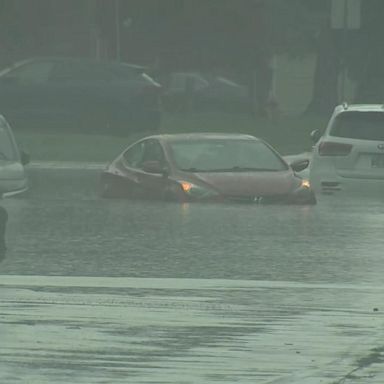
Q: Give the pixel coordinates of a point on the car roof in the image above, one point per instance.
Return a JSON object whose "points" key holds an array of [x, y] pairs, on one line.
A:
{"points": [[359, 108], [202, 135], [69, 59]]}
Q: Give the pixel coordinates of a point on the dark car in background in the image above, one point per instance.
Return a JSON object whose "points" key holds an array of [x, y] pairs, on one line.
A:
{"points": [[203, 92], [205, 167], [80, 94]]}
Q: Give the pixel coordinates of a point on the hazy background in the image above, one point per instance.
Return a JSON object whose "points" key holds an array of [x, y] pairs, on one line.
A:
{"points": [[281, 48]]}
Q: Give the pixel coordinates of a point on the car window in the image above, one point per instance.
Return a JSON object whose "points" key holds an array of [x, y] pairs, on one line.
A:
{"points": [[37, 72], [225, 155], [359, 125], [148, 150], [133, 156], [124, 71], [153, 151], [180, 81]]}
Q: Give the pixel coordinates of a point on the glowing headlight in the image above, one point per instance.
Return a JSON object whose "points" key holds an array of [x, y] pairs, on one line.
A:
{"points": [[305, 184], [194, 190], [185, 186]]}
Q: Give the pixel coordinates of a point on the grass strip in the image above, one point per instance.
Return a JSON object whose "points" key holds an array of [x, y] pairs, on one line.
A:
{"points": [[289, 135]]}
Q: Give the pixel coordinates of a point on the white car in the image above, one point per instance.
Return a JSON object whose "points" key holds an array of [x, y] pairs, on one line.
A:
{"points": [[349, 156], [300, 162], [13, 178]]}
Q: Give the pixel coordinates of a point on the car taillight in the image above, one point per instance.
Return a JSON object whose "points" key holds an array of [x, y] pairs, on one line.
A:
{"points": [[328, 148]]}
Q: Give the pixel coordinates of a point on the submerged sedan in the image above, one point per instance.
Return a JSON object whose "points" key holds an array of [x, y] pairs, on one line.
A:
{"points": [[205, 167]]}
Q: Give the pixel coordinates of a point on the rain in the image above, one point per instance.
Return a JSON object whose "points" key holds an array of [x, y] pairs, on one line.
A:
{"points": [[192, 191]]}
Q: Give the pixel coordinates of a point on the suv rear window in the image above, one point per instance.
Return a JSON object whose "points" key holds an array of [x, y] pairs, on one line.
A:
{"points": [[359, 125]]}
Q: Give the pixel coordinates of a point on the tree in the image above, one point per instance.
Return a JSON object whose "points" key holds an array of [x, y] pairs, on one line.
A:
{"points": [[359, 50], [366, 54]]}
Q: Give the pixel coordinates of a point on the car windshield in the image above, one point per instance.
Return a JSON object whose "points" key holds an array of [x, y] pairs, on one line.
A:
{"points": [[359, 125], [225, 156], [7, 148]]}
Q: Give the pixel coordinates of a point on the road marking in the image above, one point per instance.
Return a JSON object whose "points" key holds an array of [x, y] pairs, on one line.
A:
{"points": [[131, 282], [119, 330], [66, 165]]}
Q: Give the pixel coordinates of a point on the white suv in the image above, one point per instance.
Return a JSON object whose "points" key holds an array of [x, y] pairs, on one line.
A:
{"points": [[349, 156]]}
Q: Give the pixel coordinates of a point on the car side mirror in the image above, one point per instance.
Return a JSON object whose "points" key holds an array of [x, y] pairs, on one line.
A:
{"points": [[315, 136], [300, 165], [25, 158], [153, 166]]}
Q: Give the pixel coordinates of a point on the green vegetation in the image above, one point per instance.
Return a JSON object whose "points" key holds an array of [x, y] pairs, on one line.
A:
{"points": [[240, 38], [287, 134], [69, 146]]}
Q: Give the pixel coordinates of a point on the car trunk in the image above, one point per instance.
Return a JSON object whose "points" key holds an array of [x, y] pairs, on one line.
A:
{"points": [[365, 161], [360, 134]]}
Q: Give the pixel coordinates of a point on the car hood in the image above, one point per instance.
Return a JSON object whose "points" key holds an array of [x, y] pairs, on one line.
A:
{"points": [[11, 170], [248, 183]]}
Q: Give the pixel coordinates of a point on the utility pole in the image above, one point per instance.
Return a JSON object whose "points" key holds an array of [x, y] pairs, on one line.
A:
{"points": [[117, 31], [345, 16], [344, 52]]}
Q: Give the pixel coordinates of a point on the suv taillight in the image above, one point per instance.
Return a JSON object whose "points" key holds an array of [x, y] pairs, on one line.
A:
{"points": [[328, 148]]}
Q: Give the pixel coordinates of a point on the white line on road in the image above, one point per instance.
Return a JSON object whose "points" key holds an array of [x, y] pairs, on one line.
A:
{"points": [[66, 165], [133, 330]]}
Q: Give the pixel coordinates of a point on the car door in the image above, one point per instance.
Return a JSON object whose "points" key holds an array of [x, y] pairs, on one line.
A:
{"points": [[130, 170], [139, 182], [153, 183]]}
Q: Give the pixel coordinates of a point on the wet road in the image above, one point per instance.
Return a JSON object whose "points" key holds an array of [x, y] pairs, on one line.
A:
{"points": [[168, 293]]}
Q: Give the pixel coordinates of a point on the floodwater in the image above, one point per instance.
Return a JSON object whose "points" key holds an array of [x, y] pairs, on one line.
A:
{"points": [[64, 228], [117, 291]]}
